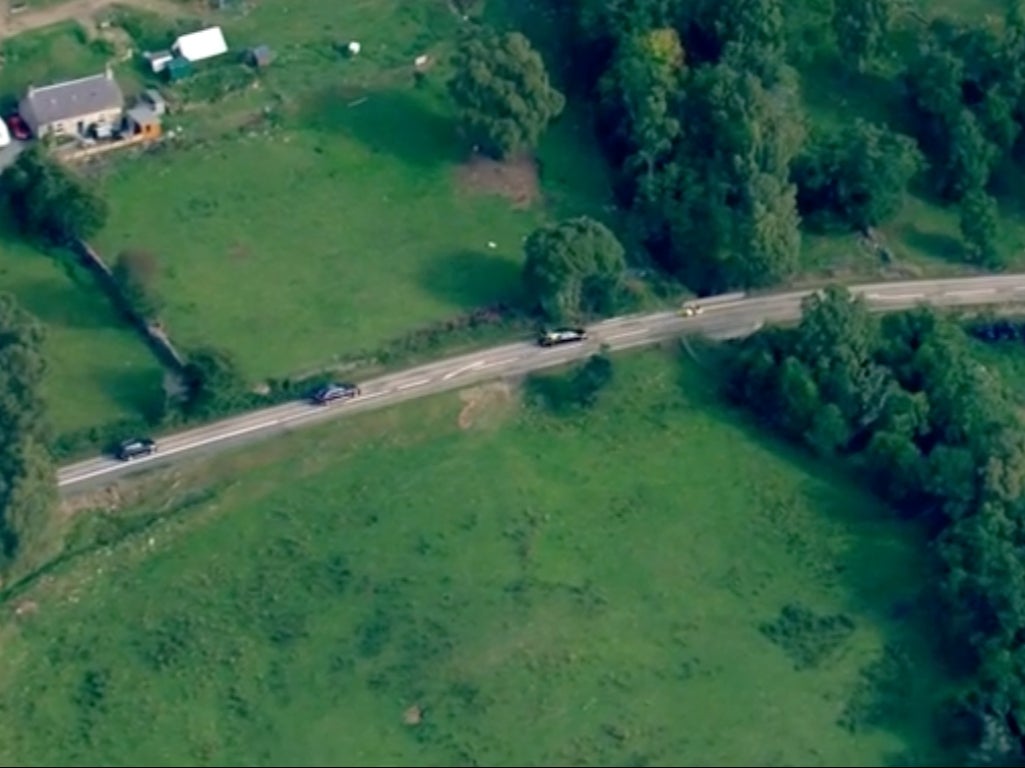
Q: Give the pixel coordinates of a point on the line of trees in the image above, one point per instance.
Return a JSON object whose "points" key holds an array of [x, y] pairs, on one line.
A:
{"points": [[27, 480], [938, 436]]}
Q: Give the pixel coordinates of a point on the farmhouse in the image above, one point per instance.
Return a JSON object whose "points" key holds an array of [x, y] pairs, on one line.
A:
{"points": [[74, 107], [201, 45]]}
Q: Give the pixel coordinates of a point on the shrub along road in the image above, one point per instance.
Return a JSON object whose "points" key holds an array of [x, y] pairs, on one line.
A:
{"points": [[723, 317]]}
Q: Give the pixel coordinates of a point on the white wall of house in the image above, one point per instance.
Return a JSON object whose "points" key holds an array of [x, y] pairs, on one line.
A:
{"points": [[71, 126]]}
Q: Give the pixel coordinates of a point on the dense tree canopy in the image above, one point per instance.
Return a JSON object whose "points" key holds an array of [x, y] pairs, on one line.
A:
{"points": [[27, 482], [574, 268], [862, 29], [50, 203], [854, 177], [504, 100]]}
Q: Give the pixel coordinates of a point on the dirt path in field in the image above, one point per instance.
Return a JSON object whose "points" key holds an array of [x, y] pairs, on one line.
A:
{"points": [[83, 10]]}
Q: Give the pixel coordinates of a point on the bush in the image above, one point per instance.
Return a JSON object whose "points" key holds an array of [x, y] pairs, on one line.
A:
{"points": [[577, 390], [136, 273]]}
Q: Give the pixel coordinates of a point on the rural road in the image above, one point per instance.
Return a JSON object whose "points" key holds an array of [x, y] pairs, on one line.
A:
{"points": [[727, 316]]}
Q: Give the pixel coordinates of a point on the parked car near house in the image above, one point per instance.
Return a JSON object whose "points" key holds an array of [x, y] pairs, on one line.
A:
{"points": [[17, 127]]}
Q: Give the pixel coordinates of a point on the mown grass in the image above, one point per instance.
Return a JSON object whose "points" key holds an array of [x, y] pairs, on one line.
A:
{"points": [[46, 56], [591, 590], [99, 371], [339, 222]]}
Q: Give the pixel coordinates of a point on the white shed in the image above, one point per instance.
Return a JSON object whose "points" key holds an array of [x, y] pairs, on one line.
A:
{"points": [[201, 45]]}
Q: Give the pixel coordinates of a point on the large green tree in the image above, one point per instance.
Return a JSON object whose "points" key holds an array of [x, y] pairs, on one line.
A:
{"points": [[980, 228], [862, 29], [574, 268], [854, 177], [50, 203], [27, 482], [504, 100]]}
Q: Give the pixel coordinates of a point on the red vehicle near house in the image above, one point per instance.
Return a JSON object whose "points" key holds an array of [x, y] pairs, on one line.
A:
{"points": [[19, 130]]}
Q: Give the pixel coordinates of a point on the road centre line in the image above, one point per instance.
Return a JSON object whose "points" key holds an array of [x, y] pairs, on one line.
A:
{"points": [[503, 361], [973, 292], [894, 296], [625, 334], [411, 384], [464, 369]]}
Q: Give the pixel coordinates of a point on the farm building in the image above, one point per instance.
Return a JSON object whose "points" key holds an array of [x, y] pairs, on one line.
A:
{"points": [[260, 56], [198, 46], [177, 68], [152, 97], [74, 107], [158, 60], [142, 120]]}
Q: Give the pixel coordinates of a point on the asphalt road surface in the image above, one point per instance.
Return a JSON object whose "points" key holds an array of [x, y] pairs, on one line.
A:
{"points": [[723, 317]]}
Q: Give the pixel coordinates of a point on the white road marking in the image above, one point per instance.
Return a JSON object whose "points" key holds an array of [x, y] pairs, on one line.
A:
{"points": [[411, 384], [973, 292], [464, 369], [370, 395], [894, 296], [495, 363], [625, 334], [1020, 288]]}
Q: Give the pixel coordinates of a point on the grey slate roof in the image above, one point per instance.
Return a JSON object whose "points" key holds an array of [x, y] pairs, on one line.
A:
{"points": [[84, 96]]}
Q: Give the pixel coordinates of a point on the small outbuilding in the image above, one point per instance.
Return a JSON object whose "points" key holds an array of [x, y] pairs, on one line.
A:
{"points": [[260, 56], [201, 45], [177, 68], [142, 120], [158, 60], [152, 98]]}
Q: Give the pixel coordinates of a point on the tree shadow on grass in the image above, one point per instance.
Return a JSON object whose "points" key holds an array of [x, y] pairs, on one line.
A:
{"points": [[934, 244], [400, 123], [138, 390], [473, 279]]}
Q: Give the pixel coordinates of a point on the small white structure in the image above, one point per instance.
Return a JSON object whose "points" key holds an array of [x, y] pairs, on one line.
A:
{"points": [[5, 135], [201, 45], [421, 61], [354, 48], [158, 60]]}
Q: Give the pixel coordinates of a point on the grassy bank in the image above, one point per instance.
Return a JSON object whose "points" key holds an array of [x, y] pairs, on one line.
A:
{"points": [[465, 580]]}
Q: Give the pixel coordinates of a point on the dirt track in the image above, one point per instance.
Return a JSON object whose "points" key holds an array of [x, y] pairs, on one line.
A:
{"points": [[11, 25]]}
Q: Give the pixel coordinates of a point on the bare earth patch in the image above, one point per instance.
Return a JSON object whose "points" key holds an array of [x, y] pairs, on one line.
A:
{"points": [[484, 405], [515, 179]]}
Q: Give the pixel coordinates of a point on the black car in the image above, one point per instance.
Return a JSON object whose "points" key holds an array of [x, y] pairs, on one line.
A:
{"points": [[329, 393], [135, 448], [561, 336]]}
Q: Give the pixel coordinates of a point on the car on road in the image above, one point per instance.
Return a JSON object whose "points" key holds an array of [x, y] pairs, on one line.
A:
{"points": [[552, 338], [135, 448], [330, 393], [691, 310], [18, 127]]}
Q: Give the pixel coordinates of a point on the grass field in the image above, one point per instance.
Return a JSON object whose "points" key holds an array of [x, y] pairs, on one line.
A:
{"points": [[348, 218], [99, 371], [46, 56], [548, 591]]}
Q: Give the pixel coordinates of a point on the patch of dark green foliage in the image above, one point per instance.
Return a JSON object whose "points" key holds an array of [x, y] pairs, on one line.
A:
{"points": [[572, 392], [805, 637]]}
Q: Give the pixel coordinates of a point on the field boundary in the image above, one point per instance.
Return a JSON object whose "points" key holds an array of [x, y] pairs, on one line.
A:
{"points": [[156, 339]]}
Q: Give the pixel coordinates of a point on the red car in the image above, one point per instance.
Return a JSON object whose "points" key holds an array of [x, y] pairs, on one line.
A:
{"points": [[18, 128]]}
